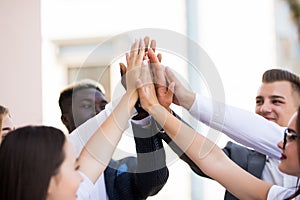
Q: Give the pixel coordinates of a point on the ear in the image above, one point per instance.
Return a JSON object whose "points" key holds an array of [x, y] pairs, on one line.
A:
{"points": [[64, 120], [68, 122], [51, 187]]}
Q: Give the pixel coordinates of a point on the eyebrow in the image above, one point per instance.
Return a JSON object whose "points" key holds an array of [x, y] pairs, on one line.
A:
{"points": [[276, 97], [271, 97]]}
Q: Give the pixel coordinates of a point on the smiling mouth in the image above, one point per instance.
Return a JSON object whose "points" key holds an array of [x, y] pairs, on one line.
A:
{"points": [[283, 157], [269, 118]]}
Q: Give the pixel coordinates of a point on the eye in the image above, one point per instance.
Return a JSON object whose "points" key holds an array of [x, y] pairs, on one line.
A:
{"points": [[86, 106], [276, 102], [259, 101], [292, 137]]}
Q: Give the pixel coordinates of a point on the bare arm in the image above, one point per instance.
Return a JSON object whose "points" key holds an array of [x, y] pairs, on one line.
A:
{"points": [[98, 151]]}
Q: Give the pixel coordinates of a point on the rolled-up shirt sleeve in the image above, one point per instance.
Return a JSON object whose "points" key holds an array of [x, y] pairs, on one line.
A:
{"points": [[242, 126]]}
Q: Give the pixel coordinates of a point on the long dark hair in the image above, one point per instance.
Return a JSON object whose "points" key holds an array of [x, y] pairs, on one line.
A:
{"points": [[29, 156], [298, 141]]}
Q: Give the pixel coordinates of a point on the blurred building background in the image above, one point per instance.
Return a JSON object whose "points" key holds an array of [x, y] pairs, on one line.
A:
{"points": [[45, 45]]}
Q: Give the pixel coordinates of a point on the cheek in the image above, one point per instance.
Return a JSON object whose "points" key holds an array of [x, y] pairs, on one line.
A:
{"points": [[293, 159], [70, 183], [74, 180]]}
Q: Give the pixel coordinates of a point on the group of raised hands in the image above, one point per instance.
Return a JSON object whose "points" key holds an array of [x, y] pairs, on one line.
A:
{"points": [[154, 83]]}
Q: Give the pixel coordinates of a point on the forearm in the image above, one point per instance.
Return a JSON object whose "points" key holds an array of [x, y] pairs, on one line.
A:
{"points": [[178, 151], [174, 128], [152, 172], [149, 147], [93, 160], [210, 158], [242, 126]]}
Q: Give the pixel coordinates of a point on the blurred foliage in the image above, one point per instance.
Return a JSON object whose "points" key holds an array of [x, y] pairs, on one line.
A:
{"points": [[295, 11]]}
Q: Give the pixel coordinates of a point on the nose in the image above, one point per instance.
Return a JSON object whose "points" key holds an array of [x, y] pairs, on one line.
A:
{"points": [[265, 108], [98, 108], [280, 145]]}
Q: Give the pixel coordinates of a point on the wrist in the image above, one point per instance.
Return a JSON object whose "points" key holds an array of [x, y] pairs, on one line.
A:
{"points": [[132, 97], [141, 113], [190, 98], [156, 110]]}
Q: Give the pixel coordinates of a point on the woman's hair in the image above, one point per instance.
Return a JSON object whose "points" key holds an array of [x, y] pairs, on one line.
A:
{"points": [[298, 142], [29, 157]]}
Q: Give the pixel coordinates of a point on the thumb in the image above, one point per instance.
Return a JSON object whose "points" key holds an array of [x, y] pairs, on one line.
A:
{"points": [[122, 69], [171, 89], [159, 56], [138, 84], [169, 75]]}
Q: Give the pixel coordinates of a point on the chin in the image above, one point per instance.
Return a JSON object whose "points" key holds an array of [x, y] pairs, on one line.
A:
{"points": [[284, 169]]}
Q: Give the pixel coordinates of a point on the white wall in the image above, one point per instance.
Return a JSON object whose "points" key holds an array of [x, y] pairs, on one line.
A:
{"points": [[20, 60]]}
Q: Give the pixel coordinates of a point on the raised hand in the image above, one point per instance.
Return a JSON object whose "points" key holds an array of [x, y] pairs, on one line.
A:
{"points": [[123, 67], [182, 96], [163, 94], [146, 89], [134, 62]]}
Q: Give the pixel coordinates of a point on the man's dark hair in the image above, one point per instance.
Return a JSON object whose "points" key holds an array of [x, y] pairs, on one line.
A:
{"points": [[67, 93], [273, 75]]}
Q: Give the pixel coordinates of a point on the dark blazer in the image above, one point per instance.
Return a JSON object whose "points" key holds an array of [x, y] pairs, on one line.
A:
{"points": [[134, 178]]}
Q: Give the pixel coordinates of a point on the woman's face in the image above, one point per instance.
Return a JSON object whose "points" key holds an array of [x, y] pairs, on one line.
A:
{"points": [[289, 159], [65, 183]]}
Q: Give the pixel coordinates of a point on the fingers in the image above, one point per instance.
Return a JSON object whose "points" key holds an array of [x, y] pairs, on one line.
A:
{"points": [[135, 58], [145, 73], [153, 45], [134, 51], [159, 56], [123, 74], [171, 89], [157, 70], [170, 75], [141, 52], [153, 58], [127, 58], [145, 88], [146, 41]]}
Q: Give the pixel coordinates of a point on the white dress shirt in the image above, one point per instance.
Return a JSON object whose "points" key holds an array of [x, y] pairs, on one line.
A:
{"points": [[244, 127], [280, 193]]}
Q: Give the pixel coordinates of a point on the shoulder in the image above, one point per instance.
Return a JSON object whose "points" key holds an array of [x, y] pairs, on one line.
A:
{"points": [[127, 164]]}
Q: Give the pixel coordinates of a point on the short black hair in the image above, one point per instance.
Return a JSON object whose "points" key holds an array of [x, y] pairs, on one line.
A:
{"points": [[68, 92]]}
